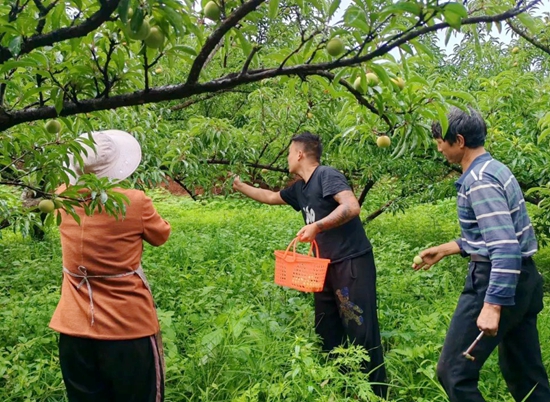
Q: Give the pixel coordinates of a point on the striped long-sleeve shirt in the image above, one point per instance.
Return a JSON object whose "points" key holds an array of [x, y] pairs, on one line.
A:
{"points": [[495, 224]]}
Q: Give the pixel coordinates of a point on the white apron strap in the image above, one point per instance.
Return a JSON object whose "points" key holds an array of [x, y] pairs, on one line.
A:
{"points": [[86, 280]]}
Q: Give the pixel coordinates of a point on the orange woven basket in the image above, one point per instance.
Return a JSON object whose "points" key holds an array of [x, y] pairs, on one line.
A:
{"points": [[301, 272]]}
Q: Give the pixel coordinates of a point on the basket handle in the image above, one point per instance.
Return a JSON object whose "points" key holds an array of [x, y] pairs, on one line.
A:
{"points": [[293, 245]]}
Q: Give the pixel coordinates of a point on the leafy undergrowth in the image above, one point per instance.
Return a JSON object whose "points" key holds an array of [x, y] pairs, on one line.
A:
{"points": [[230, 333]]}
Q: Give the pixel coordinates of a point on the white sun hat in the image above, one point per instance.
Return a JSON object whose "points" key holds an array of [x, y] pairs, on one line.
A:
{"points": [[117, 155]]}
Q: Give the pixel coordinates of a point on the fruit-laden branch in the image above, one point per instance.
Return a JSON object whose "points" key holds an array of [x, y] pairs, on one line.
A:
{"points": [[359, 97], [217, 36], [528, 38], [249, 164], [62, 34], [232, 80]]}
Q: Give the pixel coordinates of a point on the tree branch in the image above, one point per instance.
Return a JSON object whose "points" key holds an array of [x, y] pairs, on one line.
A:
{"points": [[360, 98], [230, 81], [176, 180], [254, 50], [42, 12], [379, 211], [190, 102], [249, 164], [365, 191], [62, 34], [528, 38], [217, 35], [304, 41]]}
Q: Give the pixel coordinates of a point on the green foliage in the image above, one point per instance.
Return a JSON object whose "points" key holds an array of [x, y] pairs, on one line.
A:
{"points": [[229, 332], [244, 126]]}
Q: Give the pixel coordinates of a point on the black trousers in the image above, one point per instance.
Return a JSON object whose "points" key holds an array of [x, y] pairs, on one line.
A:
{"points": [[345, 311], [111, 371], [517, 340]]}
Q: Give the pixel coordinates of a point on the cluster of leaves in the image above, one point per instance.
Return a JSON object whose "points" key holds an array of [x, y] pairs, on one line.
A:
{"points": [[38, 164]]}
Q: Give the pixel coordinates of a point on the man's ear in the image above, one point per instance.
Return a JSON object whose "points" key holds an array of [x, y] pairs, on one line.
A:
{"points": [[460, 140]]}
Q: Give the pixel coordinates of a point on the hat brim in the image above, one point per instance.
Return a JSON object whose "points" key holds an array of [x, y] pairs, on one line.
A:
{"points": [[124, 165]]}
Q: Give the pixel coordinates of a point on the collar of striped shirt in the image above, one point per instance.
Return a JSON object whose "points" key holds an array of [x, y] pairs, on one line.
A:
{"points": [[480, 159]]}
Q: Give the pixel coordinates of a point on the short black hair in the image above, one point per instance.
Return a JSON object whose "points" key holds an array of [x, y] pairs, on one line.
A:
{"points": [[468, 124], [311, 143]]}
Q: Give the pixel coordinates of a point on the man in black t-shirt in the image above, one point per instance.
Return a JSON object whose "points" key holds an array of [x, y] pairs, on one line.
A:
{"points": [[345, 311]]}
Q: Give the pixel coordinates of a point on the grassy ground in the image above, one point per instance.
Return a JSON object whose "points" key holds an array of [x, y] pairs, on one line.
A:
{"points": [[230, 333]]}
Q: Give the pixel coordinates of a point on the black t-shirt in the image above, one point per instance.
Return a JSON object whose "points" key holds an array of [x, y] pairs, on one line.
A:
{"points": [[316, 200]]}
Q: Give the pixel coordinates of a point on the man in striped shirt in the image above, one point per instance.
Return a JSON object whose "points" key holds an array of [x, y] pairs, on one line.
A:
{"points": [[503, 291]]}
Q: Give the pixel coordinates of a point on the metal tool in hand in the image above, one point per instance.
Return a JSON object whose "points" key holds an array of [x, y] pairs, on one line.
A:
{"points": [[467, 354]]}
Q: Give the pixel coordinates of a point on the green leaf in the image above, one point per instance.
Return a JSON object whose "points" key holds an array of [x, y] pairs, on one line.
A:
{"points": [[15, 45], [380, 72], [33, 91], [543, 135], [6, 28], [402, 7], [122, 10], [137, 19], [459, 94], [406, 47], [59, 101], [12, 64], [442, 117], [245, 45], [273, 8], [356, 18], [477, 44], [448, 36], [339, 75], [452, 19], [421, 48], [456, 8], [528, 21], [186, 49], [333, 7], [352, 13], [318, 5]]}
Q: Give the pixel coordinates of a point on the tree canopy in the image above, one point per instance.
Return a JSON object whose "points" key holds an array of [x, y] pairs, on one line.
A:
{"points": [[225, 93]]}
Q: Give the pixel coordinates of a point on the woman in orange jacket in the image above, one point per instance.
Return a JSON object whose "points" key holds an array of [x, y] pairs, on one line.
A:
{"points": [[109, 345]]}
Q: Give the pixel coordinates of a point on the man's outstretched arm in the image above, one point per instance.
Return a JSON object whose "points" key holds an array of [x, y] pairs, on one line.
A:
{"points": [[258, 194]]}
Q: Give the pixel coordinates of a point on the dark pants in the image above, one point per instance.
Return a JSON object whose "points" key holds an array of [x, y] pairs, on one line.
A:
{"points": [[517, 340], [345, 311], [111, 371]]}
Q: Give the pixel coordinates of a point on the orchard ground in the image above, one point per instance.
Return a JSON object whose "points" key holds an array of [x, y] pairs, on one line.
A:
{"points": [[230, 333]]}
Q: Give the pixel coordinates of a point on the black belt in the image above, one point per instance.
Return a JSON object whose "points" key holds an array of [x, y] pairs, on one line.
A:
{"points": [[479, 258]]}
